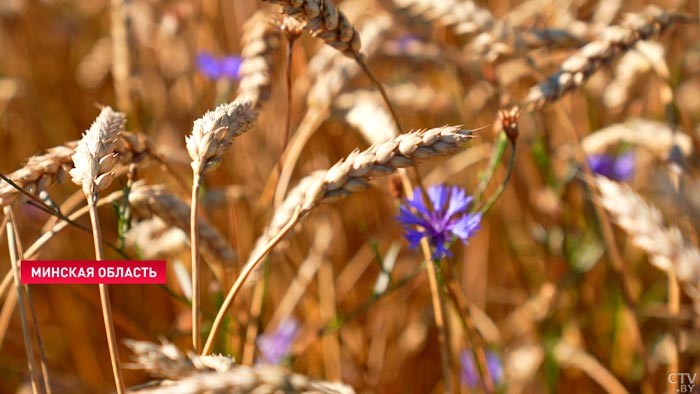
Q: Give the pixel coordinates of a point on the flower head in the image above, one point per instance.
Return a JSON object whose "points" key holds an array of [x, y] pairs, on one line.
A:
{"points": [[616, 168], [217, 68], [470, 374], [275, 347], [441, 223]]}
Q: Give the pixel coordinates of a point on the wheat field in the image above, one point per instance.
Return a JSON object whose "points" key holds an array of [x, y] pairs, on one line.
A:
{"points": [[358, 196]]}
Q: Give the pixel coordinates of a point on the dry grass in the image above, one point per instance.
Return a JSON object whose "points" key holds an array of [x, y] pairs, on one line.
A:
{"points": [[565, 301]]}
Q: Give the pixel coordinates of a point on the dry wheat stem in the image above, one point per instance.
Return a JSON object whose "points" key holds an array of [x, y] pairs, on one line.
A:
{"points": [[93, 161], [32, 309], [613, 41], [245, 272], [667, 248], [211, 136], [14, 260], [570, 355], [454, 291]]}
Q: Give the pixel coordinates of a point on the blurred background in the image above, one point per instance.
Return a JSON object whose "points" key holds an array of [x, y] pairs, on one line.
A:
{"points": [[543, 295]]}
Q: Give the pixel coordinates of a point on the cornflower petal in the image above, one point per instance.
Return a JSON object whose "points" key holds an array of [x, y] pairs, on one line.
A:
{"points": [[438, 223]]}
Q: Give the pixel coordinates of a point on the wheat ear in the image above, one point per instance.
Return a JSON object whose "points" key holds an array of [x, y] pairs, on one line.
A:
{"points": [[667, 248], [40, 171], [348, 176], [94, 159], [613, 41], [155, 201], [212, 135], [261, 40]]}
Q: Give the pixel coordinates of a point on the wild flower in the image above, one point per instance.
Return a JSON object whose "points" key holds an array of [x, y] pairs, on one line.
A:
{"points": [[275, 347], [470, 373], [441, 223], [217, 68], [617, 168]]}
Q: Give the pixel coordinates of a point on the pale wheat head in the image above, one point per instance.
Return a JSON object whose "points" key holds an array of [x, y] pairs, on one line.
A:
{"points": [[214, 132], [94, 156]]}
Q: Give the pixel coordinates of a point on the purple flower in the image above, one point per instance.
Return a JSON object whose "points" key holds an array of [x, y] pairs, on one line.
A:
{"points": [[275, 347], [618, 168], [216, 68], [441, 224], [406, 40], [470, 373]]}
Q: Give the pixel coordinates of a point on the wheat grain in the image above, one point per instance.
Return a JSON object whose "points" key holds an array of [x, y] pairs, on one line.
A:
{"points": [[149, 201], [352, 174], [667, 248], [261, 40], [613, 41]]}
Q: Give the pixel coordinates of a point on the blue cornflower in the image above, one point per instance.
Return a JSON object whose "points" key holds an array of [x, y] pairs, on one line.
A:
{"points": [[470, 373], [217, 68], [618, 168], [275, 347], [441, 224]]}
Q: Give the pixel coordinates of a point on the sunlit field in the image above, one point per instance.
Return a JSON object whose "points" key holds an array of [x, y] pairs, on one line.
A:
{"points": [[359, 196]]}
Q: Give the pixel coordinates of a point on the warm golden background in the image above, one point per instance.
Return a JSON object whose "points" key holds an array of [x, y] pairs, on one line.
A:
{"points": [[536, 273]]}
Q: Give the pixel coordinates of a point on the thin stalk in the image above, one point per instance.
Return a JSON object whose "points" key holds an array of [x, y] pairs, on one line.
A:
{"points": [[454, 291], [451, 383], [256, 308], [194, 248], [247, 270], [35, 322], [509, 171], [674, 300], [365, 67], [496, 158], [104, 299], [40, 343], [14, 260]]}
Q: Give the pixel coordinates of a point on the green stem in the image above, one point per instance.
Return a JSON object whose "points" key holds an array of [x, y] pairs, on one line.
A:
{"points": [[509, 171]]}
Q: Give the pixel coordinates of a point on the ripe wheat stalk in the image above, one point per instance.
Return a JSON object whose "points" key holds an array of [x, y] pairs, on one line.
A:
{"points": [[94, 159], [211, 136]]}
